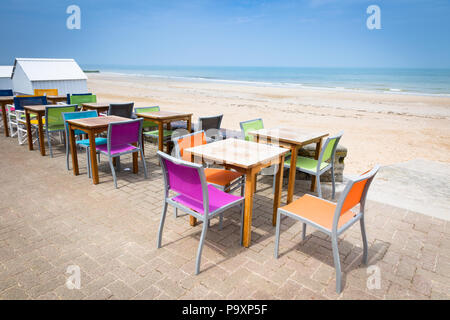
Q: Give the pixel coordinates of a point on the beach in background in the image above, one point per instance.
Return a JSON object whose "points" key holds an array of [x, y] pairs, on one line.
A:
{"points": [[399, 121]]}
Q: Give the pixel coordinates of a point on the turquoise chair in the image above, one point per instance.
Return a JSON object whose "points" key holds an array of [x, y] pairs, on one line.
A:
{"points": [[83, 143]]}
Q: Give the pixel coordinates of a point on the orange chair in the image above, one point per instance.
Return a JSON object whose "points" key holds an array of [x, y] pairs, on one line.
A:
{"points": [[225, 180], [46, 92], [330, 218]]}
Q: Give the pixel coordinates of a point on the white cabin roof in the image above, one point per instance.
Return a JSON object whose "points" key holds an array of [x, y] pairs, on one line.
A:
{"points": [[50, 69], [6, 71]]}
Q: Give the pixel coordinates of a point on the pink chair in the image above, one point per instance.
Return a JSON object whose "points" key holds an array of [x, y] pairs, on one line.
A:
{"points": [[194, 196]]}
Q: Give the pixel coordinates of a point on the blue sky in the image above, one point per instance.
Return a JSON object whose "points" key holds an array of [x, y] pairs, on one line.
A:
{"points": [[309, 33]]}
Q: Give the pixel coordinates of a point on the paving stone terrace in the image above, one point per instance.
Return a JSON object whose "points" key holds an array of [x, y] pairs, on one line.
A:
{"points": [[50, 219]]}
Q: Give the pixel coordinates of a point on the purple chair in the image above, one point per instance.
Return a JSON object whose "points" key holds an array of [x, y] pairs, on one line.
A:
{"points": [[194, 196], [121, 136]]}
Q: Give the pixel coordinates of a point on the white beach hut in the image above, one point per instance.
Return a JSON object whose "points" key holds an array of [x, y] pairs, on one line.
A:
{"points": [[62, 74], [5, 77]]}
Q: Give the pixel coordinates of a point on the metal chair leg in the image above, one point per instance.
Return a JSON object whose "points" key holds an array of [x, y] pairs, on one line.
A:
{"points": [[333, 183], [175, 212], [161, 224], [113, 171], [220, 220], [337, 263], [88, 161], [319, 188], [242, 221], [364, 240], [143, 163], [304, 232], [67, 155], [277, 235], [49, 143], [200, 247]]}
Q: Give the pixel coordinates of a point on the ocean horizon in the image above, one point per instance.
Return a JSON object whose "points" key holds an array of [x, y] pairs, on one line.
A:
{"points": [[393, 80]]}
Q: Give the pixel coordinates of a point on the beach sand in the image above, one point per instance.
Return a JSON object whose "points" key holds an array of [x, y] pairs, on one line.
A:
{"points": [[384, 128]]}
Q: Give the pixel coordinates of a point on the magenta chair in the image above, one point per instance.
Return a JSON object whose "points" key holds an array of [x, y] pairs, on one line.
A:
{"points": [[121, 137], [194, 196]]}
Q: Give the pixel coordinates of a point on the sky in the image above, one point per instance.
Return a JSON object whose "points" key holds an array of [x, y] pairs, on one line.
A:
{"points": [[302, 33]]}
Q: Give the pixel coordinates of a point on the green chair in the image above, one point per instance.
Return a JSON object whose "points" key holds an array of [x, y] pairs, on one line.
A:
{"points": [[251, 125], [323, 164], [150, 124], [54, 121], [80, 99]]}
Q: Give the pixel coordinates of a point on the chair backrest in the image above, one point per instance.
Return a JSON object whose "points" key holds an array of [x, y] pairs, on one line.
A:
{"points": [[6, 92], [54, 116], [20, 102], [124, 132], [188, 141], [251, 125], [76, 94], [186, 178], [46, 92], [121, 109], [77, 115], [329, 148], [206, 123], [83, 98], [147, 123], [355, 193]]}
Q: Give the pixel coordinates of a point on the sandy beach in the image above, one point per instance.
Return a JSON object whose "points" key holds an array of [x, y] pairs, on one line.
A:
{"points": [[379, 128]]}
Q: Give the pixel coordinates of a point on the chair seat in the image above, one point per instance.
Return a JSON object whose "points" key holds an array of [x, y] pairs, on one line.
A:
{"points": [[317, 210], [116, 149], [217, 200], [98, 142], [308, 164], [155, 133], [221, 177]]}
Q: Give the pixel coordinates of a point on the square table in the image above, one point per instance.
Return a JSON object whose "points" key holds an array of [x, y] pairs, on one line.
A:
{"points": [[4, 100], [55, 99], [162, 117], [39, 111], [93, 126], [249, 158], [293, 139], [100, 107]]}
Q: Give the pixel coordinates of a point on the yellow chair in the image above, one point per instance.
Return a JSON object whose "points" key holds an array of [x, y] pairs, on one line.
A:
{"points": [[46, 92]]}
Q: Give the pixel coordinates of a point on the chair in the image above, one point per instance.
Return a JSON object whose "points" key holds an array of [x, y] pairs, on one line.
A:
{"points": [[211, 126], [45, 92], [121, 137], [54, 121], [121, 110], [6, 93], [76, 94], [330, 218], [16, 116], [80, 99], [320, 166], [83, 143], [154, 134], [252, 125], [194, 196]]}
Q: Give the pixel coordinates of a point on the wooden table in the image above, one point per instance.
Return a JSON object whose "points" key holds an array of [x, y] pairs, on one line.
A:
{"points": [[93, 126], [249, 158], [162, 117], [39, 111], [97, 106], [55, 99], [292, 139], [4, 100]]}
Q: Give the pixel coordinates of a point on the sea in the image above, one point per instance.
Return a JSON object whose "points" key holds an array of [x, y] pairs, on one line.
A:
{"points": [[392, 80]]}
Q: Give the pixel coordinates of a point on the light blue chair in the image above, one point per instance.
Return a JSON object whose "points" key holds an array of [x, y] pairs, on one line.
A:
{"points": [[83, 143]]}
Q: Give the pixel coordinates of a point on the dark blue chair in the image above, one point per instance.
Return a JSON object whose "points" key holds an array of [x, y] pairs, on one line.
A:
{"points": [[6, 92]]}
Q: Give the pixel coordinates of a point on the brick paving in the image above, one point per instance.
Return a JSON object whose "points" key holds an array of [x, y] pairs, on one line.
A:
{"points": [[50, 219]]}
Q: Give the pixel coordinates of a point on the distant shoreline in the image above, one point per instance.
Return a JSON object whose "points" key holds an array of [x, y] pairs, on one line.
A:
{"points": [[271, 84]]}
